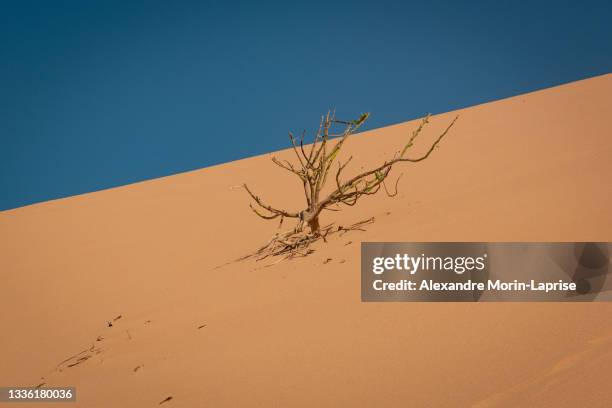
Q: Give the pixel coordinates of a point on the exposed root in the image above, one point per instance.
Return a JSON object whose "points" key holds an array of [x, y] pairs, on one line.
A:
{"points": [[296, 244]]}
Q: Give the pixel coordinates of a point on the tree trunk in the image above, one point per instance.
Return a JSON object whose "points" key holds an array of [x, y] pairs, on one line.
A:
{"points": [[313, 223]]}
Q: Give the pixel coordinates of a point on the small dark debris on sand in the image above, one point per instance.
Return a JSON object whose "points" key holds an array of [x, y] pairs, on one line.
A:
{"points": [[137, 368], [110, 322], [166, 400], [348, 243], [76, 359], [79, 361], [201, 326], [327, 260]]}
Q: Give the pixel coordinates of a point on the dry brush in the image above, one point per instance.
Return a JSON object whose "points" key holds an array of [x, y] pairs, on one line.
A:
{"points": [[314, 167]]}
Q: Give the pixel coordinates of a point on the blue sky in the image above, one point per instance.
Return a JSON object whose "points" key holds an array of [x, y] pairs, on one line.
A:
{"points": [[96, 94]]}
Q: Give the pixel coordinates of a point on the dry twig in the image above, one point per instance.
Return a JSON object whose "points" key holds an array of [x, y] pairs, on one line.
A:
{"points": [[313, 168]]}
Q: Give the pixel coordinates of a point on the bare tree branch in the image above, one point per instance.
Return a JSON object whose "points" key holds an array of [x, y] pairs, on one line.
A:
{"points": [[313, 167], [268, 207]]}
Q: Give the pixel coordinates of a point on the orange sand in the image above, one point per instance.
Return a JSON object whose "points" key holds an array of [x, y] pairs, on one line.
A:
{"points": [[535, 167]]}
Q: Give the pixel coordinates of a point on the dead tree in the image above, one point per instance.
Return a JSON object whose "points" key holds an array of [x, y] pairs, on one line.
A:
{"points": [[315, 164]]}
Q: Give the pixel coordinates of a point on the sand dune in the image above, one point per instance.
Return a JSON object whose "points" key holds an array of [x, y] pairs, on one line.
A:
{"points": [[535, 167]]}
